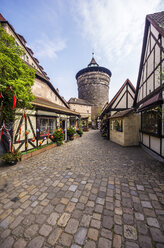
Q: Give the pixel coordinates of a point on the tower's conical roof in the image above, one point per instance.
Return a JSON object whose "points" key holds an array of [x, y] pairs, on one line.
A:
{"points": [[93, 62], [93, 67]]}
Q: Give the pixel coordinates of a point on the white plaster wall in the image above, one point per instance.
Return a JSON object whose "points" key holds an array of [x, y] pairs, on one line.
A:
{"points": [[150, 82], [130, 101], [155, 144], [150, 62], [152, 42], [147, 50], [146, 140], [31, 113], [154, 31], [117, 100], [144, 74], [142, 77], [131, 92], [143, 90], [122, 103], [157, 77], [157, 55], [139, 95]]}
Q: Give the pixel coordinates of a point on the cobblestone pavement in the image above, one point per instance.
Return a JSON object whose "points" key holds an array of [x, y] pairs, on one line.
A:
{"points": [[87, 193]]}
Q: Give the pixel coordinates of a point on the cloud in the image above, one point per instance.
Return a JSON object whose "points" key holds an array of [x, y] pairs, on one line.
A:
{"points": [[113, 27], [46, 47]]}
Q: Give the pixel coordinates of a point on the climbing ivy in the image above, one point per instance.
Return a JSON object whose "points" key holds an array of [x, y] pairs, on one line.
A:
{"points": [[16, 78]]}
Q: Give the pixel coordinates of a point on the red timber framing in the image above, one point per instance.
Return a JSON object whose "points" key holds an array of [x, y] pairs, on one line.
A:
{"points": [[150, 85]]}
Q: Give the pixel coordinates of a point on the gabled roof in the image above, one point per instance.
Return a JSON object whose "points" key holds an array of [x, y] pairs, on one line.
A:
{"points": [[120, 90], [157, 20], [110, 104], [2, 19], [79, 101]]}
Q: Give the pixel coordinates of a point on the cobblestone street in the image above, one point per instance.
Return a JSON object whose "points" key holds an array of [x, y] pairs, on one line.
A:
{"points": [[87, 193]]}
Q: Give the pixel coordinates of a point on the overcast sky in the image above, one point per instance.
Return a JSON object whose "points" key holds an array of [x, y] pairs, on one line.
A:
{"points": [[64, 33]]}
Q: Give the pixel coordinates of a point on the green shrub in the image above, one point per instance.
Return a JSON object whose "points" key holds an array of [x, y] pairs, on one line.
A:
{"points": [[71, 131], [58, 136]]}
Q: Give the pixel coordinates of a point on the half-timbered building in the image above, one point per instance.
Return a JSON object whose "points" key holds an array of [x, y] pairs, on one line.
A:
{"points": [[149, 91], [34, 128], [123, 100]]}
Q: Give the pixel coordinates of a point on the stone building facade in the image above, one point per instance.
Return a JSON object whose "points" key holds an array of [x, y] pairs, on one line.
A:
{"points": [[93, 85], [81, 106]]}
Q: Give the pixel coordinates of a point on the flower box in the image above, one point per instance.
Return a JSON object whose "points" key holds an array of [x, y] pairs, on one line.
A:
{"points": [[34, 153]]}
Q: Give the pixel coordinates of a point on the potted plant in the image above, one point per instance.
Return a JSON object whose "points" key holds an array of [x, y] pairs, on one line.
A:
{"points": [[80, 132], [58, 136], [11, 158], [85, 129], [70, 132]]}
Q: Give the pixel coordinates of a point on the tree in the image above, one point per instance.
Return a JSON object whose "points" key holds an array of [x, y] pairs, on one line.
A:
{"points": [[16, 78]]}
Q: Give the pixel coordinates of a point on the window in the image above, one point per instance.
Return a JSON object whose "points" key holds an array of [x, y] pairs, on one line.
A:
{"points": [[27, 58], [117, 125], [47, 126], [151, 121]]}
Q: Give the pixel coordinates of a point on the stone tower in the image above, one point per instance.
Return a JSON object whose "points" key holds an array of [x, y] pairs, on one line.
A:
{"points": [[93, 84]]}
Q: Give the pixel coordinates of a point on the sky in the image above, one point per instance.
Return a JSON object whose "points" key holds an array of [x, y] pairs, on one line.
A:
{"points": [[64, 33]]}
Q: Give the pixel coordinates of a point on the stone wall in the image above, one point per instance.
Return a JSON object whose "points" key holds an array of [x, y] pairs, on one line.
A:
{"points": [[94, 87], [131, 129], [84, 110], [130, 134], [117, 137], [41, 89]]}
